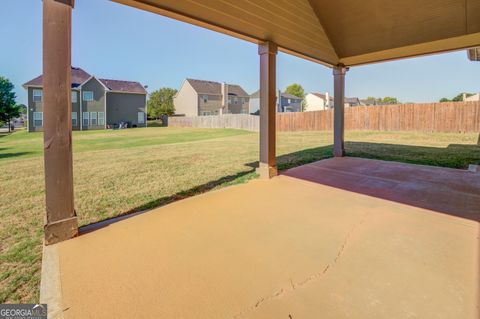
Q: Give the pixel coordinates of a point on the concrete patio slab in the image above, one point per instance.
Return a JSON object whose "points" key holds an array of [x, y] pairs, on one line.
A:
{"points": [[280, 248]]}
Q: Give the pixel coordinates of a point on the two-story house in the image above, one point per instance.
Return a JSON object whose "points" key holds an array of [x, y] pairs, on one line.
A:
{"points": [[96, 103], [199, 98], [318, 101], [286, 103]]}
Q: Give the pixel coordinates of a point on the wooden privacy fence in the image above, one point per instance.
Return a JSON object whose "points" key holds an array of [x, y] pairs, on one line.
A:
{"points": [[239, 121], [428, 117]]}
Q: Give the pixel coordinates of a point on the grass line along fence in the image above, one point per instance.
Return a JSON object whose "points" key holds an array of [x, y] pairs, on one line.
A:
{"points": [[454, 117]]}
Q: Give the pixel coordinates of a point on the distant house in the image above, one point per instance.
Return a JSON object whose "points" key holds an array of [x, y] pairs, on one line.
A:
{"points": [[200, 98], [352, 101], [96, 103], [287, 103], [318, 101], [471, 98]]}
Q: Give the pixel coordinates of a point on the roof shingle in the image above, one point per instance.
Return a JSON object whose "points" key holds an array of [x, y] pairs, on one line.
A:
{"points": [[215, 88], [79, 76]]}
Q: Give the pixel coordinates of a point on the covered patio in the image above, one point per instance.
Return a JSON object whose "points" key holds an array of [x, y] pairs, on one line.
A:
{"points": [[297, 246], [340, 238]]}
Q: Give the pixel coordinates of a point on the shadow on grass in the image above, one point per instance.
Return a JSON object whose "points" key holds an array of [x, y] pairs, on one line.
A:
{"points": [[453, 156], [9, 155]]}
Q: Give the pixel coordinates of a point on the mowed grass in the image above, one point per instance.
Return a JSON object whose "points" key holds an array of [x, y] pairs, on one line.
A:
{"points": [[117, 172]]}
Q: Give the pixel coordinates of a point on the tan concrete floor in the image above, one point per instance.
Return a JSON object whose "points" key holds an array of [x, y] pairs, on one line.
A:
{"points": [[283, 248]]}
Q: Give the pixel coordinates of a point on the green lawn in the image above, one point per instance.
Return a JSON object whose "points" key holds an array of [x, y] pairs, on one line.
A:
{"points": [[130, 170]]}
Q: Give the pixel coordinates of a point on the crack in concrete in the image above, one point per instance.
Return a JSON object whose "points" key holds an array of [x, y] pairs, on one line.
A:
{"points": [[294, 286]]}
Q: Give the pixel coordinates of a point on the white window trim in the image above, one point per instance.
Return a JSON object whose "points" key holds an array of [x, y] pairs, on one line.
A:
{"points": [[74, 94], [41, 119], [205, 98], [101, 118], [86, 118], [37, 93], [93, 118], [87, 100], [75, 118]]}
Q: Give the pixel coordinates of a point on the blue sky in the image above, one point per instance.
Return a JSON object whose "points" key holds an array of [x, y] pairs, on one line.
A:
{"points": [[114, 41]]}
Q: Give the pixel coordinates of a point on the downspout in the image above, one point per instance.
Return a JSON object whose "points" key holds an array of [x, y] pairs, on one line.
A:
{"points": [[105, 109], [146, 111], [80, 116]]}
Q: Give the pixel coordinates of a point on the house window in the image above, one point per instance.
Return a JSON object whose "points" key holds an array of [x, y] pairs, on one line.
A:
{"points": [[101, 118], [86, 118], [38, 119], [37, 95], [74, 118], [141, 117], [289, 101], [88, 95], [235, 100], [205, 98], [74, 97], [205, 113], [93, 118]]}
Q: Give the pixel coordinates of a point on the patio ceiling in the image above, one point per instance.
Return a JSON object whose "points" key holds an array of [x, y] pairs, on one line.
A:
{"points": [[348, 32]]}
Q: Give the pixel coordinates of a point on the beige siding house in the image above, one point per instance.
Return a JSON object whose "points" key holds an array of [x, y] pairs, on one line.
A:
{"points": [[318, 102], [96, 103], [201, 98]]}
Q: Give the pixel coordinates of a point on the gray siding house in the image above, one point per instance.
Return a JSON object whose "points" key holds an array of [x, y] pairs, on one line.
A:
{"points": [[286, 103], [200, 98], [97, 104]]}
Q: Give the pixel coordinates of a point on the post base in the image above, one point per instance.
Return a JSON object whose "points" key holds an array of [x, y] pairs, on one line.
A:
{"points": [[61, 230], [338, 152], [266, 171]]}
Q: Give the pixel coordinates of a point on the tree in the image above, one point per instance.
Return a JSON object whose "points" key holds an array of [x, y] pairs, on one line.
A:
{"points": [[160, 102], [386, 99], [297, 90], [457, 98], [23, 108], [8, 108], [390, 100]]}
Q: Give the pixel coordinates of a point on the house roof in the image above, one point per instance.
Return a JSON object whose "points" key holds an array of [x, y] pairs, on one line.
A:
{"points": [[352, 100], [79, 76], [215, 88], [322, 96], [124, 86], [285, 95]]}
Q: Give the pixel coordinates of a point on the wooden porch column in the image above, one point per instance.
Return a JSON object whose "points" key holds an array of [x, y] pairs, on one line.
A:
{"points": [[339, 110], [268, 166], [61, 220]]}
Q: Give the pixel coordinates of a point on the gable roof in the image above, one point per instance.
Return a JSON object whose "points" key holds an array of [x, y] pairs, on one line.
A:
{"points": [[290, 96], [352, 100], [322, 96], [215, 88], [124, 86], [80, 76]]}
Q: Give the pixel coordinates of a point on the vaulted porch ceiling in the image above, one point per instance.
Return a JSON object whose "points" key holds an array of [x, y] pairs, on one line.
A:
{"points": [[348, 32]]}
